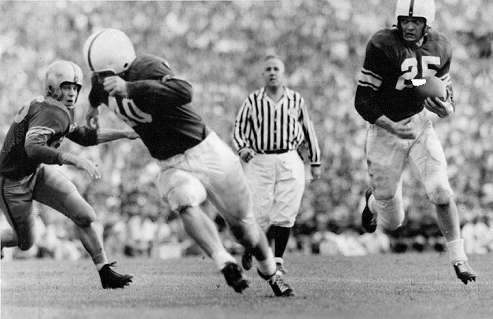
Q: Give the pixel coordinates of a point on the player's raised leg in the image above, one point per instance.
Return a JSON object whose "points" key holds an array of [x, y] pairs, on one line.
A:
{"points": [[185, 193], [231, 196], [55, 190]]}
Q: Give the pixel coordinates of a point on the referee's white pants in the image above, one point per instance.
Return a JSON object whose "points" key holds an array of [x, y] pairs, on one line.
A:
{"points": [[277, 182]]}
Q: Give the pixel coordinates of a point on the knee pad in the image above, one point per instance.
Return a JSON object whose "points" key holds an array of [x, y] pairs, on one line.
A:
{"points": [[190, 193]]}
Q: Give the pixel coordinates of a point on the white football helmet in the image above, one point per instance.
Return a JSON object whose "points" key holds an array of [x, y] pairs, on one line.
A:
{"points": [[61, 72], [416, 8], [109, 50]]}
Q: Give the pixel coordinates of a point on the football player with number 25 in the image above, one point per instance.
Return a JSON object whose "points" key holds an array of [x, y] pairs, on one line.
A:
{"points": [[400, 131], [195, 164]]}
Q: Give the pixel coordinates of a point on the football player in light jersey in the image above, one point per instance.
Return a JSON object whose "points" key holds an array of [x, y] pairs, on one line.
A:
{"points": [[195, 164], [27, 174], [400, 132]]}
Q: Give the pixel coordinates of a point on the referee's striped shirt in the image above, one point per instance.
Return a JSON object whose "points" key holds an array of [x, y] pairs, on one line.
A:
{"points": [[267, 127]]}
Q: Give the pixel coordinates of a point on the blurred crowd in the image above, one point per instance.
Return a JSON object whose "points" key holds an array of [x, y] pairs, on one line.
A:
{"points": [[144, 236]]}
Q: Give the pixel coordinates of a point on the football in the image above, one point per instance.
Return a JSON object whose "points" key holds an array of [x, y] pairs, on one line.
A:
{"points": [[430, 87]]}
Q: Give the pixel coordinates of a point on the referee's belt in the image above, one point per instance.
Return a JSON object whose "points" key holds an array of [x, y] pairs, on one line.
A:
{"points": [[275, 152]]}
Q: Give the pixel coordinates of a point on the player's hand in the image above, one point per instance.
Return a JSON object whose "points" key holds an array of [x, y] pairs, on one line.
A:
{"points": [[81, 163], [115, 86], [92, 117], [404, 129], [131, 135], [439, 107], [316, 173], [90, 167], [247, 154]]}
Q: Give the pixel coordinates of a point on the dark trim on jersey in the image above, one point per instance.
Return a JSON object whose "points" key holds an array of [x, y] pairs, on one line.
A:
{"points": [[411, 8], [9, 212], [90, 47]]}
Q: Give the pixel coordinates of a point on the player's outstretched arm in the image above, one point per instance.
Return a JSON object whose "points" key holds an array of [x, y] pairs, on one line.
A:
{"points": [[108, 135]]}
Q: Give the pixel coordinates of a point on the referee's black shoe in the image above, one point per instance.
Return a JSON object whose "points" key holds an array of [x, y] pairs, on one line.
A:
{"points": [[368, 221], [279, 287]]}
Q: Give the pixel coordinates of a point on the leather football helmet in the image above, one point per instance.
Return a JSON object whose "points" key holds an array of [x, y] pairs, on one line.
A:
{"points": [[60, 72], [416, 8], [109, 50]]}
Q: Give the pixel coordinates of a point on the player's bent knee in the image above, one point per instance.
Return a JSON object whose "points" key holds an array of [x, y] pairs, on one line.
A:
{"points": [[246, 232], [85, 218], [441, 197], [184, 196]]}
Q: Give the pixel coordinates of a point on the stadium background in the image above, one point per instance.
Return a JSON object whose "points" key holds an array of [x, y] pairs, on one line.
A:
{"points": [[217, 46]]}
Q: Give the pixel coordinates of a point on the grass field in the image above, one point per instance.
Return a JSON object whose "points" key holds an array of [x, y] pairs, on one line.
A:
{"points": [[376, 286]]}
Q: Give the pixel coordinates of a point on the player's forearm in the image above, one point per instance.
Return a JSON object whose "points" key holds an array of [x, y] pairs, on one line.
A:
{"points": [[169, 89], [108, 135], [385, 123], [68, 159], [42, 153]]}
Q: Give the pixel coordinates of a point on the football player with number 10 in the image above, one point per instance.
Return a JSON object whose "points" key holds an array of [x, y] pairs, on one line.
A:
{"points": [[195, 164]]}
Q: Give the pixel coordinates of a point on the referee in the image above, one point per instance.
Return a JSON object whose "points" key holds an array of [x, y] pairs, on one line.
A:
{"points": [[270, 126]]}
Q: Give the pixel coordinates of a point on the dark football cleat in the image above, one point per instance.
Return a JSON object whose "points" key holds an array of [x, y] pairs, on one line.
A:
{"points": [[246, 260], [464, 272], [111, 279], [280, 288], [368, 221], [234, 277]]}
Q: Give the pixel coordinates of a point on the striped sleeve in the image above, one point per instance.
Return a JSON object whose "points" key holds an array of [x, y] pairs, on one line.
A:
{"points": [[369, 83], [242, 126], [310, 135]]}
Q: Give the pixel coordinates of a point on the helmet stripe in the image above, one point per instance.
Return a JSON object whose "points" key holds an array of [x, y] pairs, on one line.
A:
{"points": [[90, 47], [411, 8], [75, 72]]}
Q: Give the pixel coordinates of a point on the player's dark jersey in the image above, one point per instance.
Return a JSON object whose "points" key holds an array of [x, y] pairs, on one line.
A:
{"points": [[158, 107], [37, 131], [384, 85]]}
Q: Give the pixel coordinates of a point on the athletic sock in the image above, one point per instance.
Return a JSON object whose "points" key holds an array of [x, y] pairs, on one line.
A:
{"points": [[456, 251], [279, 260], [100, 260], [268, 266], [221, 258]]}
